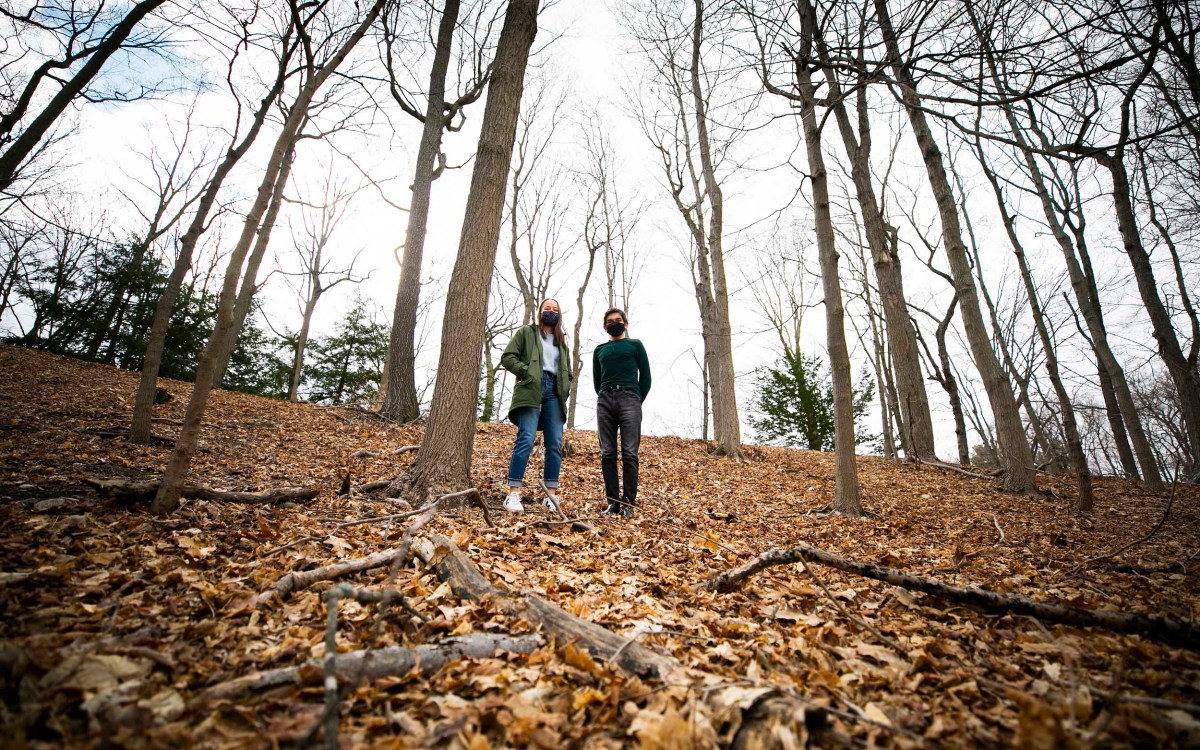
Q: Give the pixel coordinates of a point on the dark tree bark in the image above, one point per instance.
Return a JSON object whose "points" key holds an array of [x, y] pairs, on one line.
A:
{"points": [[1015, 454], [445, 456], [400, 390]]}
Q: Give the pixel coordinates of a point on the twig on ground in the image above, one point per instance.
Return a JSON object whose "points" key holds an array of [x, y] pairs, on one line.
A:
{"points": [[1136, 542], [406, 449], [900, 651], [996, 523], [127, 491]]}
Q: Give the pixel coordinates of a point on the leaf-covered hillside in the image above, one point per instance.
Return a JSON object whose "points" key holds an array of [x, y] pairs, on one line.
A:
{"points": [[125, 629]]}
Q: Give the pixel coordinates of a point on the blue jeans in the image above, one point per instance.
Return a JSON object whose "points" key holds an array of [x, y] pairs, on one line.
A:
{"points": [[549, 419]]}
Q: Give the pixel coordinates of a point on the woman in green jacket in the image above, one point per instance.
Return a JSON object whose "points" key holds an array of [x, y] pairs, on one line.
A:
{"points": [[538, 357]]}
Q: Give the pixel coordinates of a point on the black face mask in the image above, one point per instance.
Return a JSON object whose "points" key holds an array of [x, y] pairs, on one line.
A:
{"points": [[615, 328], [550, 318]]}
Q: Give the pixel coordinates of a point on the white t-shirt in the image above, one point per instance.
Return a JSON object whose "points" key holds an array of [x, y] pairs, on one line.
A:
{"points": [[549, 353]]}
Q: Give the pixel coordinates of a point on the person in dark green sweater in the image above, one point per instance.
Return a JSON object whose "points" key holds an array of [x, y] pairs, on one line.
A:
{"points": [[621, 373]]}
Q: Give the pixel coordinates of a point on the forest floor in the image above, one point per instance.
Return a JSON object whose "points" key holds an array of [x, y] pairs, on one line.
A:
{"points": [[116, 621]]}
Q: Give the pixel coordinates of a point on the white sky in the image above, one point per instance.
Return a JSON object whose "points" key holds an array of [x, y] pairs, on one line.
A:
{"points": [[591, 55]]}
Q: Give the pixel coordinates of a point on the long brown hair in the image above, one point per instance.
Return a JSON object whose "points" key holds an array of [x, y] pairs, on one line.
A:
{"points": [[560, 336]]}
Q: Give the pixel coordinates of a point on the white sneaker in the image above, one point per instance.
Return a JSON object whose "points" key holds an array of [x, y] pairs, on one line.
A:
{"points": [[551, 502], [512, 503]]}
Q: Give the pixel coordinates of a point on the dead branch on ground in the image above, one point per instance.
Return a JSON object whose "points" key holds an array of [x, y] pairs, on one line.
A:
{"points": [[1162, 627], [131, 492], [396, 661]]}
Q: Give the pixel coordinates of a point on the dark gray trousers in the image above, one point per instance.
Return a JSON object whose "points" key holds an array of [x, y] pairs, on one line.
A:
{"points": [[619, 411]]}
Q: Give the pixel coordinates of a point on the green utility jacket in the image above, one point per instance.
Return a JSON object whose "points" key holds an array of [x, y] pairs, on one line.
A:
{"points": [[523, 358]]}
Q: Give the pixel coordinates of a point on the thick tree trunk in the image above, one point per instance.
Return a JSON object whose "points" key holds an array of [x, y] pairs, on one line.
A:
{"points": [[400, 391], [1015, 454], [846, 490], [25, 143], [167, 498], [916, 422], [726, 424], [139, 430], [445, 456]]}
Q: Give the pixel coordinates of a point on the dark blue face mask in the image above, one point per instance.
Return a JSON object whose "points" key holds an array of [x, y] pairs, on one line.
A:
{"points": [[550, 318]]}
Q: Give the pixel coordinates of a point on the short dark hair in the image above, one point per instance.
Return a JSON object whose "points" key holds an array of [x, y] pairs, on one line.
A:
{"points": [[618, 311]]}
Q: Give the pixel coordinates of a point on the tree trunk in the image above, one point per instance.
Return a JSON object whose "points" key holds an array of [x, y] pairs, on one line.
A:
{"points": [[1088, 300], [167, 498], [576, 360], [1182, 374], [846, 490], [1015, 454], [25, 143], [726, 424], [400, 399], [1112, 410], [139, 430], [1070, 426], [310, 305], [916, 423], [445, 456], [249, 287]]}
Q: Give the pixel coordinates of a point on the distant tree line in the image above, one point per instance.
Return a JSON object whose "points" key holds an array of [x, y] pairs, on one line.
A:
{"points": [[94, 299]]}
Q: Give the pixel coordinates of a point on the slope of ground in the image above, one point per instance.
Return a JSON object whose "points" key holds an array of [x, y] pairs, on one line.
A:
{"points": [[116, 621]]}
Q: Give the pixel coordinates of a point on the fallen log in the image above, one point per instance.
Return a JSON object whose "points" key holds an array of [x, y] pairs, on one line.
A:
{"points": [[144, 491], [1162, 627], [396, 661]]}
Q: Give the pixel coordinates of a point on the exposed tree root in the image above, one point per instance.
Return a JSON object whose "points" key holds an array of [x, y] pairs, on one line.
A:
{"points": [[133, 492], [1162, 627]]}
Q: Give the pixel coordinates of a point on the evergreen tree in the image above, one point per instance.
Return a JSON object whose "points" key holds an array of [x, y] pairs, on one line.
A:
{"points": [[346, 367], [794, 401]]}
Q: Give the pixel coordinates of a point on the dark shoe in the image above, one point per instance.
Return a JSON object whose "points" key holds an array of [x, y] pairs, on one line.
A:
{"points": [[627, 510], [613, 509]]}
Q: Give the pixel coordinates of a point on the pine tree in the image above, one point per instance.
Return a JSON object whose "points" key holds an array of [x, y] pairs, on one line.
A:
{"points": [[794, 400]]}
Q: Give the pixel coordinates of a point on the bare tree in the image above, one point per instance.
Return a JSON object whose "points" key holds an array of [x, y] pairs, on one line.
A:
{"points": [[1016, 456], [175, 191], [85, 37], [846, 489], [439, 115], [682, 131], [287, 43], [538, 200], [318, 274], [1049, 347], [916, 422], [322, 56], [445, 455]]}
